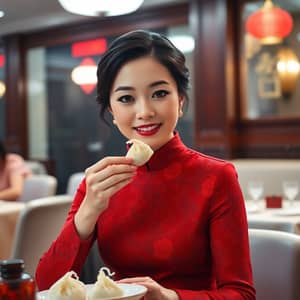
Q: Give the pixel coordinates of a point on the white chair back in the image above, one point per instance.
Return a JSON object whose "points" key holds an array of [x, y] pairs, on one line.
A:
{"points": [[38, 225], [38, 186], [36, 167], [74, 182], [275, 259]]}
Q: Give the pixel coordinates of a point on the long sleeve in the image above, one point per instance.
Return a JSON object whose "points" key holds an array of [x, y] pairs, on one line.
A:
{"points": [[229, 244], [68, 252]]}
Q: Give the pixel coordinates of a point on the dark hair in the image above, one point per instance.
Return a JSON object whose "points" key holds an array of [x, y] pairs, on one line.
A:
{"points": [[133, 45], [2, 151]]}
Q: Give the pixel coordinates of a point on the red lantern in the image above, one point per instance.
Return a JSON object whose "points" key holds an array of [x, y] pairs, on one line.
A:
{"points": [[270, 24]]}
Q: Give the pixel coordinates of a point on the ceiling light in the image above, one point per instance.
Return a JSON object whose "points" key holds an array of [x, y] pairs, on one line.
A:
{"points": [[85, 75], [288, 68], [2, 88], [184, 43], [100, 7], [2, 13]]}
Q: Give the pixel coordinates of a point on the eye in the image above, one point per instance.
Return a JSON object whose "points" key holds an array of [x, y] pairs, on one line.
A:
{"points": [[160, 94], [125, 99]]}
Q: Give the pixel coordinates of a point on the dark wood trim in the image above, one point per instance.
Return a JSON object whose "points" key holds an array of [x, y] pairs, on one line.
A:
{"points": [[16, 108], [215, 76], [144, 19]]}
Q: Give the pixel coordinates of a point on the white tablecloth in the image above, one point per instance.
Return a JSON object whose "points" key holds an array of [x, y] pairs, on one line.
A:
{"points": [[286, 218], [9, 212]]}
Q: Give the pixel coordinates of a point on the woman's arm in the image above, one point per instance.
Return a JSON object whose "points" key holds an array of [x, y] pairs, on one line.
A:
{"points": [[14, 191], [70, 249], [229, 243]]}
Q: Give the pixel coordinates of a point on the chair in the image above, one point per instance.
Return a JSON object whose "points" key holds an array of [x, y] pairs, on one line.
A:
{"points": [[36, 167], [275, 259], [38, 186], [38, 225], [74, 182]]}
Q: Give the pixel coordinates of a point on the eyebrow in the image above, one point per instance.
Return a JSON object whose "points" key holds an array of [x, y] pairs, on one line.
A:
{"points": [[129, 88]]}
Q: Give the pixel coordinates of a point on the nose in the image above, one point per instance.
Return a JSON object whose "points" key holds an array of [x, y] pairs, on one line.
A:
{"points": [[145, 109]]}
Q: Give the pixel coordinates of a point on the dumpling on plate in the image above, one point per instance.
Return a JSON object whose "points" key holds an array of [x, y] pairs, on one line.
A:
{"points": [[68, 287], [105, 287], [139, 152]]}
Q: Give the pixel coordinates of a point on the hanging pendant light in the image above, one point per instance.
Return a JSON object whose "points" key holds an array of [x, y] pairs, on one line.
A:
{"points": [[100, 7], [270, 24], [288, 68], [85, 75]]}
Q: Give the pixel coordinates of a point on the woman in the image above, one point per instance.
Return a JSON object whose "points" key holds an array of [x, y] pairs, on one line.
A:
{"points": [[13, 170], [176, 225]]}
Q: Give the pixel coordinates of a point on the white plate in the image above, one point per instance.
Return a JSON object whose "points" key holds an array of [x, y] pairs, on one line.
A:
{"points": [[131, 292], [290, 211]]}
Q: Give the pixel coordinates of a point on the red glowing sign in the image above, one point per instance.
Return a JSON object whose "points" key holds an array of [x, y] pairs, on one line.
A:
{"points": [[88, 48], [2, 60]]}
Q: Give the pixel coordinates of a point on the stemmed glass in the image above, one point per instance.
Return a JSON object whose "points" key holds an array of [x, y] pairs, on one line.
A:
{"points": [[255, 190], [290, 190]]}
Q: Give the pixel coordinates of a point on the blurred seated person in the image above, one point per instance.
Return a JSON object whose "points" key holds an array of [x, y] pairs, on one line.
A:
{"points": [[13, 171]]}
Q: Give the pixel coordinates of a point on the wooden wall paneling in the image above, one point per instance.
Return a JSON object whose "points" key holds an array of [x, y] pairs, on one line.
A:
{"points": [[16, 109], [214, 71]]}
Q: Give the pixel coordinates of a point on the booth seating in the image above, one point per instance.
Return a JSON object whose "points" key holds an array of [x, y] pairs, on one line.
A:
{"points": [[275, 260], [272, 172]]}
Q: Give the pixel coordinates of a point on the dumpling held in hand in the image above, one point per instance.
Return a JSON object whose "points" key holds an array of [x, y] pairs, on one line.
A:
{"points": [[68, 287], [139, 152], [104, 287]]}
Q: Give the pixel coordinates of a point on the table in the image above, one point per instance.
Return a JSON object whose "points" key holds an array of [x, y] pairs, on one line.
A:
{"points": [[283, 219], [9, 213]]}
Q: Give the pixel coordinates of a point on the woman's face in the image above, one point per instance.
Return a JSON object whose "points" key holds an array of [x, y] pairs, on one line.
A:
{"points": [[145, 103]]}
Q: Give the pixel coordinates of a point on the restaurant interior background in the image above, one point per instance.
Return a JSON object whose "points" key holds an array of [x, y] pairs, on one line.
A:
{"points": [[240, 106]]}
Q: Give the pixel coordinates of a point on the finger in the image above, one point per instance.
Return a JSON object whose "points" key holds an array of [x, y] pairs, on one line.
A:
{"points": [[112, 190], [134, 279], [109, 160], [111, 181], [110, 171]]}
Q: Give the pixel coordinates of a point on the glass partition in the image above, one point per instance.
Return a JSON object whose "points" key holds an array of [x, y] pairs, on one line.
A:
{"points": [[271, 71]]}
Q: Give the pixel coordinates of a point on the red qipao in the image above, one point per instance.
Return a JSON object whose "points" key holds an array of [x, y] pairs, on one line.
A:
{"points": [[181, 221]]}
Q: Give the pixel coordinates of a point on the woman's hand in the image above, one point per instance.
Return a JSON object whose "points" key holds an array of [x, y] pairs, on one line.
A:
{"points": [[103, 179], [155, 290]]}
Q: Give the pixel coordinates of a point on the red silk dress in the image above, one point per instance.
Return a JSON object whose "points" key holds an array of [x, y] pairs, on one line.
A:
{"points": [[181, 221]]}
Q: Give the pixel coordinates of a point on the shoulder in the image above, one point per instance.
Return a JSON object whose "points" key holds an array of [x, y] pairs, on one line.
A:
{"points": [[207, 162], [15, 163], [13, 157]]}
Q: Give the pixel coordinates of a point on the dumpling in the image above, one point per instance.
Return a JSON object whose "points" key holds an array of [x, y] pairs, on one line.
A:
{"points": [[139, 152], [105, 287], [68, 287]]}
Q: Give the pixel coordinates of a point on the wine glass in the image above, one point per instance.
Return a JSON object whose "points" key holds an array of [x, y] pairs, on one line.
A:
{"points": [[255, 190], [290, 190]]}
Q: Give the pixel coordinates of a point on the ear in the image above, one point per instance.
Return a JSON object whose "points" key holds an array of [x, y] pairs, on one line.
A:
{"points": [[113, 119], [180, 107]]}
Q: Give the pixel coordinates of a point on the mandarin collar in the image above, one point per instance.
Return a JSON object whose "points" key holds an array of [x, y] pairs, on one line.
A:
{"points": [[165, 155]]}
